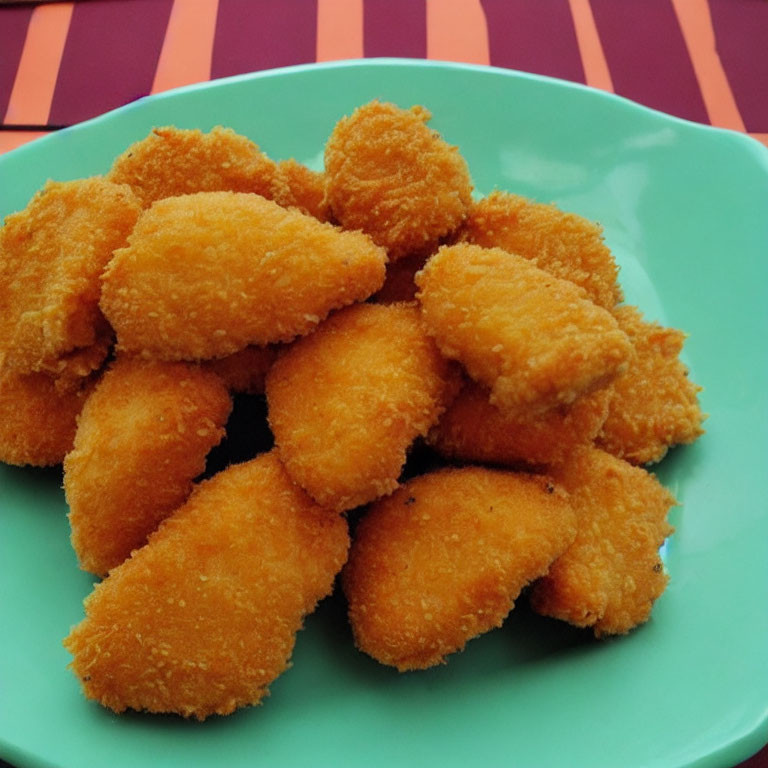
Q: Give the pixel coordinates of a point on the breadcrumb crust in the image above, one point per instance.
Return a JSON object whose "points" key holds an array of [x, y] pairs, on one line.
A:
{"points": [[534, 340], [346, 402], [445, 557], [472, 429], [609, 578], [391, 176], [37, 420], [654, 404], [203, 618], [564, 244], [174, 161], [205, 275], [141, 440], [52, 255]]}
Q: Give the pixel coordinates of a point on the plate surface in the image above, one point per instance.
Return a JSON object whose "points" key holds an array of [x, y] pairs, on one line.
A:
{"points": [[684, 209]]}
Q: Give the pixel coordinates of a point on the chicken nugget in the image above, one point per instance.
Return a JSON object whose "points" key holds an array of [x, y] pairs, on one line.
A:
{"points": [[142, 439], [346, 402], [396, 179], [175, 161], [37, 420], [610, 576], [472, 429], [244, 372], [51, 257], [445, 557], [203, 618], [655, 405], [70, 371], [534, 340], [566, 245], [206, 275], [296, 186]]}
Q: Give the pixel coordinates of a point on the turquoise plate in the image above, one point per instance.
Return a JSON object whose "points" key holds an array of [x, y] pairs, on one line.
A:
{"points": [[684, 208]]}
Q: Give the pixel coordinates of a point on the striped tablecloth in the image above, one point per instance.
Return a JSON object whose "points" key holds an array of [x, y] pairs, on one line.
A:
{"points": [[64, 62]]}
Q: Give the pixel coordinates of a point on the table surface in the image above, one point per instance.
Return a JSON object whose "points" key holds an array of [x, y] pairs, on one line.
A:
{"points": [[703, 60]]}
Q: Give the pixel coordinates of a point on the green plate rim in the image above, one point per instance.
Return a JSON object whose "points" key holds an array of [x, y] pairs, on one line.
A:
{"points": [[749, 142]]}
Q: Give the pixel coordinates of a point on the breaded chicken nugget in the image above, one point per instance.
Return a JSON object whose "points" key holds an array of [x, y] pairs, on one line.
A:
{"points": [[444, 558], [566, 245], [610, 576], [37, 421], [472, 429], [176, 161], [70, 370], [204, 618], [655, 405], [51, 257], [296, 186], [396, 179], [142, 439], [206, 275], [533, 339], [244, 372], [346, 403]]}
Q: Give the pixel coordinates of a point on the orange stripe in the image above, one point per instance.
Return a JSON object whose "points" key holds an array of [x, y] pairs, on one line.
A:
{"points": [[32, 94], [696, 24], [457, 31], [596, 69], [187, 50], [339, 29], [11, 139], [762, 137]]}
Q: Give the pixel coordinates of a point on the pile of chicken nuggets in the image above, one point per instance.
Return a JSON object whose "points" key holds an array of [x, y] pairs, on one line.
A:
{"points": [[376, 305]]}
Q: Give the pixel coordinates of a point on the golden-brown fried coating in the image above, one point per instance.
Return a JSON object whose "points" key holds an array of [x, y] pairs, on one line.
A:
{"points": [[655, 405], [206, 275], [610, 576], [244, 372], [346, 402], [533, 339], [51, 257], [444, 558], [37, 420], [396, 179], [566, 245], [203, 618], [69, 371], [141, 440], [296, 186], [175, 161], [472, 429]]}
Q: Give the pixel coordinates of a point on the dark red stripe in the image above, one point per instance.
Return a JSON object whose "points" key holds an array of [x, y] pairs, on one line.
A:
{"points": [[741, 34], [272, 33], [647, 56], [534, 37], [109, 58], [13, 31], [395, 28]]}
